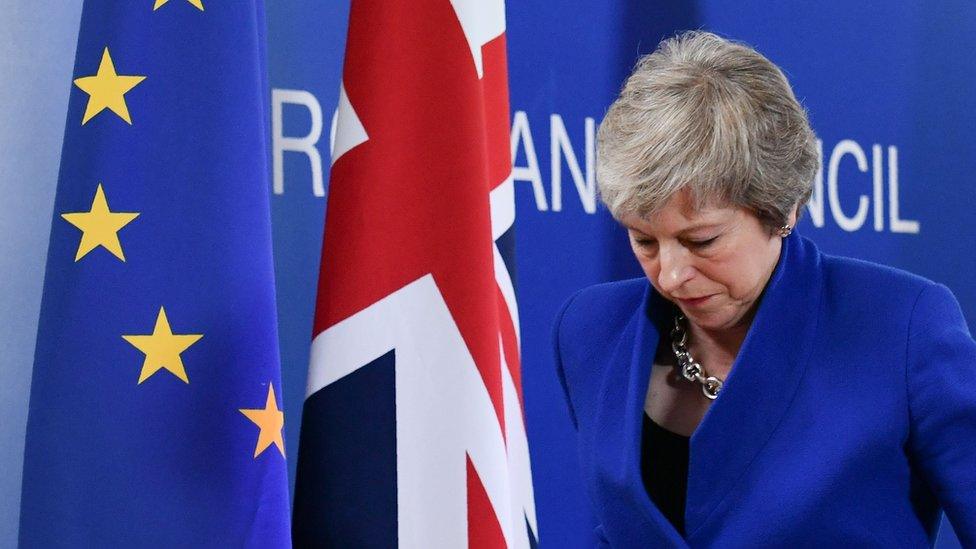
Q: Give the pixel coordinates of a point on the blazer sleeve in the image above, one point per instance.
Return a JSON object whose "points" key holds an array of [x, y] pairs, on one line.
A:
{"points": [[597, 539], [558, 358], [941, 381]]}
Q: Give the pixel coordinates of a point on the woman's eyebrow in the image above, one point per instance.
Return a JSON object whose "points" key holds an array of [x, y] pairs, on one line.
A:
{"points": [[682, 232], [699, 227]]}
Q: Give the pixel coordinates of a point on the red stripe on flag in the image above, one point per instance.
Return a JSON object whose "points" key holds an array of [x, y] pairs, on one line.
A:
{"points": [[510, 346], [497, 126], [484, 531]]}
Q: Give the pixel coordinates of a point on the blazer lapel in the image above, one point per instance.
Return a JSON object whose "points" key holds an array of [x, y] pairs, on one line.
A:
{"points": [[761, 383]]}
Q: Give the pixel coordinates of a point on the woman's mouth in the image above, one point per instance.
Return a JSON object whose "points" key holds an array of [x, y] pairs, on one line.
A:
{"points": [[694, 301]]}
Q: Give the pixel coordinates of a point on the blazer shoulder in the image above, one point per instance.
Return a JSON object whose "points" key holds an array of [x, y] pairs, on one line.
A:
{"points": [[597, 311], [885, 299], [847, 277], [588, 325]]}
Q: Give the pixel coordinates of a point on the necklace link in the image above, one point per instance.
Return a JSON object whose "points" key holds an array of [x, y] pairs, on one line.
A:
{"points": [[691, 369]]}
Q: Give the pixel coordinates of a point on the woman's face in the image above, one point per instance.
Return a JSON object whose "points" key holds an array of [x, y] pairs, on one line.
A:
{"points": [[713, 263]]}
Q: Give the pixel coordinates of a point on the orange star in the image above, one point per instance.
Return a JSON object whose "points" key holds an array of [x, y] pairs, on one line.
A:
{"points": [[270, 420]]}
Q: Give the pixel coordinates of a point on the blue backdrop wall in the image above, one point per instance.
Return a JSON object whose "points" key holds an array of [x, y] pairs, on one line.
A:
{"points": [[37, 46], [887, 85]]}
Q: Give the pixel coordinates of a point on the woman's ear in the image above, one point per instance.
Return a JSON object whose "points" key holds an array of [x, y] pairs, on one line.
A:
{"points": [[791, 219]]}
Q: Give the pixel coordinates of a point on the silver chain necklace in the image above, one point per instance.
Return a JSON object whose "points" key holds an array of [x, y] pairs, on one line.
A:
{"points": [[690, 368]]}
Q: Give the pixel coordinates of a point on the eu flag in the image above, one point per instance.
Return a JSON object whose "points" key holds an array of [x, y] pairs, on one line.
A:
{"points": [[155, 415]]}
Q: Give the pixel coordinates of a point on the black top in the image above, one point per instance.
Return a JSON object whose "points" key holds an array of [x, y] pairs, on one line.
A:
{"points": [[664, 468]]}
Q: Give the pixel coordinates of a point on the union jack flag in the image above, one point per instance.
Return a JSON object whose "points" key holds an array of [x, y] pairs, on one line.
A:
{"points": [[413, 430]]}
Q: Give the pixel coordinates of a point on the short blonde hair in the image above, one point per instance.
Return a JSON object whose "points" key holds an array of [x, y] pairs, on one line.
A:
{"points": [[711, 116]]}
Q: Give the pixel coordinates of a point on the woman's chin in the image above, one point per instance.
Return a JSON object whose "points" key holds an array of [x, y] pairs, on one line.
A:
{"points": [[708, 319]]}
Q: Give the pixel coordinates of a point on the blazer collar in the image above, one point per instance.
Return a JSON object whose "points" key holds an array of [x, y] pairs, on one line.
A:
{"points": [[754, 397]]}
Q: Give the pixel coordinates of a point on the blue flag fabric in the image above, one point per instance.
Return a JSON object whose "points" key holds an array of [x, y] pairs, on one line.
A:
{"points": [[155, 405]]}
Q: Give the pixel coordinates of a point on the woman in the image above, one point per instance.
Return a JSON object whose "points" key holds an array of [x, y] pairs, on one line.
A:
{"points": [[753, 391]]}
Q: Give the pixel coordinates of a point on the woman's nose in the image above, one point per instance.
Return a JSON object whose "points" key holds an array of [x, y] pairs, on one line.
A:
{"points": [[676, 269]]}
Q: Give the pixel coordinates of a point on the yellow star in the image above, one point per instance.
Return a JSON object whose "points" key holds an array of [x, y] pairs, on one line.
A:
{"points": [[107, 89], [197, 3], [271, 420], [162, 348], [100, 226]]}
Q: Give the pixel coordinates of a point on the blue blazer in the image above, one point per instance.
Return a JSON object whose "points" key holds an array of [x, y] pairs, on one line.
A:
{"points": [[848, 418]]}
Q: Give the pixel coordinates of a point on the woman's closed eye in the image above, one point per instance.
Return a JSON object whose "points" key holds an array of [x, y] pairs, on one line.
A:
{"points": [[644, 244], [701, 244]]}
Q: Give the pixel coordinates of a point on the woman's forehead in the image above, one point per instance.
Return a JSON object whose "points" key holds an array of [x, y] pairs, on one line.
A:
{"points": [[678, 216]]}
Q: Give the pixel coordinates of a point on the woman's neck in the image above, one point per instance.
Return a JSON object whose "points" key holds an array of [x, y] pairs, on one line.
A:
{"points": [[716, 349]]}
